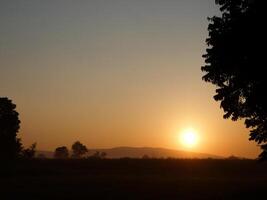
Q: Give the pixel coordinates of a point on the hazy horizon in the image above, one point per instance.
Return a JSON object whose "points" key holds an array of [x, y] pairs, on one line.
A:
{"points": [[120, 73]]}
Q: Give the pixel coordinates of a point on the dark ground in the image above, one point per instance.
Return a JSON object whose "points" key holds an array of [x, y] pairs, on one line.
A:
{"points": [[134, 179]]}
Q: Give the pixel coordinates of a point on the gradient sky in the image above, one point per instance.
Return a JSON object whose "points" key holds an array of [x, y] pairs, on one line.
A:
{"points": [[113, 73]]}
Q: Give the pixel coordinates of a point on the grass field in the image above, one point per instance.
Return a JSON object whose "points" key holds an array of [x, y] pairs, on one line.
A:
{"points": [[134, 179]]}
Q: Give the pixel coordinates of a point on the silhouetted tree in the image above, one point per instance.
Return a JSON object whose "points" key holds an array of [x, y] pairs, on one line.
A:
{"points": [[29, 152], [78, 150], [235, 63], [10, 145], [99, 155], [61, 152]]}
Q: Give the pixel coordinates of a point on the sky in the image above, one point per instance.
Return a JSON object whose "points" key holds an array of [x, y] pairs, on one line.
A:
{"points": [[113, 73]]}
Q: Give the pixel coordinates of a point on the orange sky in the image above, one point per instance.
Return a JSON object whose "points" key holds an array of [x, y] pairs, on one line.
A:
{"points": [[120, 73]]}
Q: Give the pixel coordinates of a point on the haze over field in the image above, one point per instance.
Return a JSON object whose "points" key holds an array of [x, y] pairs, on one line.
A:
{"points": [[140, 152], [114, 73]]}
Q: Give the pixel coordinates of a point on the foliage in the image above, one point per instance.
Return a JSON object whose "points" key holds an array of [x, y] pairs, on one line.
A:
{"points": [[78, 150], [263, 154], [61, 152], [10, 145], [235, 63], [98, 155], [29, 152]]}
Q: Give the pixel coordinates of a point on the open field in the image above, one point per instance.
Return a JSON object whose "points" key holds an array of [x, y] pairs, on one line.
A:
{"points": [[135, 179]]}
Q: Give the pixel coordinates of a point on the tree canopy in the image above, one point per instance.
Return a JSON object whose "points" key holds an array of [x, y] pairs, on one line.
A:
{"points": [[29, 153], [78, 150], [61, 152], [235, 63], [10, 145]]}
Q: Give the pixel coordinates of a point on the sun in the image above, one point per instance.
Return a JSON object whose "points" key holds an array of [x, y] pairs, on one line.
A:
{"points": [[189, 137]]}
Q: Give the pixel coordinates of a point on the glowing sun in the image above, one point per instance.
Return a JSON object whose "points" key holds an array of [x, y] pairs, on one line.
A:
{"points": [[189, 137]]}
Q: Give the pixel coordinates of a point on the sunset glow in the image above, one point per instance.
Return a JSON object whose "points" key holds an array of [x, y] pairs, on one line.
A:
{"points": [[139, 99], [114, 73], [189, 138]]}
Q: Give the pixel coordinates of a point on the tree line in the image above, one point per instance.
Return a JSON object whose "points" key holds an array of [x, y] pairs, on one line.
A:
{"points": [[78, 151], [11, 147]]}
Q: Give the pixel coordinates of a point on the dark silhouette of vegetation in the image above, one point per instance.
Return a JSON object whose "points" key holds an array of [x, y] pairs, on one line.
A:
{"points": [[29, 152], [78, 150], [10, 145], [235, 64], [135, 179], [61, 152], [98, 155]]}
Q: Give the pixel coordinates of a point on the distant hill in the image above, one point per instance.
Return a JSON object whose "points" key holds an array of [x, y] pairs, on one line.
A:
{"points": [[139, 152]]}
